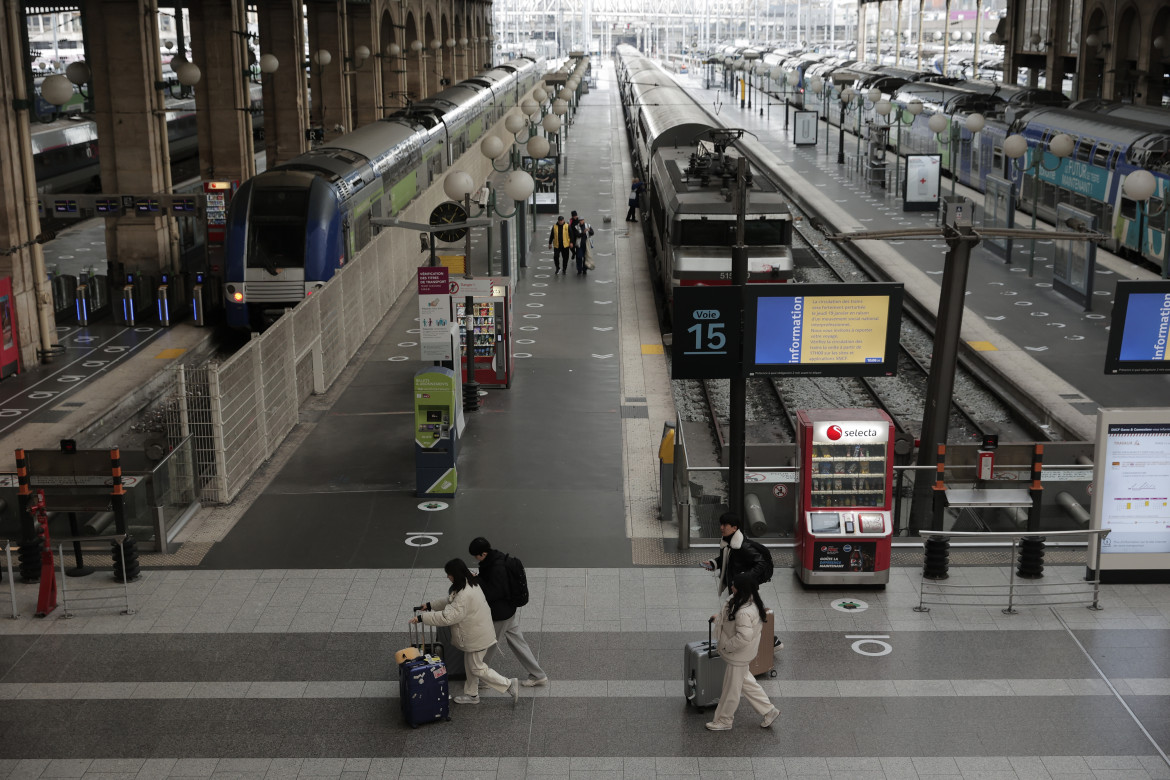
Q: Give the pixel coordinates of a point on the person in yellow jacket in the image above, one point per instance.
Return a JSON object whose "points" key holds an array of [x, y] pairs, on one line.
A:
{"points": [[466, 610], [738, 628], [560, 240]]}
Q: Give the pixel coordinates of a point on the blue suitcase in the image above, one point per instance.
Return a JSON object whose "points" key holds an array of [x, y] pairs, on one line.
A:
{"points": [[422, 686]]}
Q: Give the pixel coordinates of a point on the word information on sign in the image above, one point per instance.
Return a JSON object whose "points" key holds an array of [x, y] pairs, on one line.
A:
{"points": [[825, 330], [1139, 336]]}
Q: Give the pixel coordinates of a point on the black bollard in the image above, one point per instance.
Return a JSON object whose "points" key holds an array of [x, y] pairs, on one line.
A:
{"points": [[30, 558], [936, 558], [80, 570], [1031, 558], [126, 552]]}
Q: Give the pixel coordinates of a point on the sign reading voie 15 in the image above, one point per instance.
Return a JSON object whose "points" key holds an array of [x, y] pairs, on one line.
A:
{"points": [[706, 335]]}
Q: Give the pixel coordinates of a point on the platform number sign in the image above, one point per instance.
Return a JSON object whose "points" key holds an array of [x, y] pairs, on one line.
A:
{"points": [[706, 339]]}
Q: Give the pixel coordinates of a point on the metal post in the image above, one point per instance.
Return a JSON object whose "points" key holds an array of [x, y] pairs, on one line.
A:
{"points": [[1096, 576], [941, 383], [64, 601], [736, 463], [12, 585], [841, 137], [1011, 582]]}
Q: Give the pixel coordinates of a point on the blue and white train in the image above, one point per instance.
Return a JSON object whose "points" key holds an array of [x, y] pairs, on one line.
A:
{"points": [[292, 227]]}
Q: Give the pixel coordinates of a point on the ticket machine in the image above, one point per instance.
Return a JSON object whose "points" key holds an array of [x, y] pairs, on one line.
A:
{"points": [[845, 528], [437, 423]]}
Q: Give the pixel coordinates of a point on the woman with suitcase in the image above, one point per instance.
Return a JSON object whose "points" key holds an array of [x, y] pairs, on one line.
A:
{"points": [[738, 627], [466, 610]]}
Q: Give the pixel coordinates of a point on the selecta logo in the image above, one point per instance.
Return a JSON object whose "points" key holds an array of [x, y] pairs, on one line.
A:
{"points": [[834, 432]]}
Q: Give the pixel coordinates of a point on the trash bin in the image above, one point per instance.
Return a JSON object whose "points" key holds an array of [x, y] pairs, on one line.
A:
{"points": [[666, 472]]}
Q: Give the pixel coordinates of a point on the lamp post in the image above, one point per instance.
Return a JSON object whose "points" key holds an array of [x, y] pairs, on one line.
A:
{"points": [[1139, 187], [816, 85], [1015, 147], [885, 108], [864, 101], [846, 99], [791, 79], [940, 122]]}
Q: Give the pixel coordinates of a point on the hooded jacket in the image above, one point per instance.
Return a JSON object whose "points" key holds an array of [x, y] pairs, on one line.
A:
{"points": [[739, 638], [737, 557], [493, 579]]}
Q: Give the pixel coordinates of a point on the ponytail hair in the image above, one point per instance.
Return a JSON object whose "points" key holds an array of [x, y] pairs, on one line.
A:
{"points": [[746, 589], [460, 574]]}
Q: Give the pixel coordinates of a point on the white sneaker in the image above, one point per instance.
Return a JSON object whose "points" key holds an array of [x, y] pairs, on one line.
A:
{"points": [[514, 690], [532, 682], [464, 699], [770, 718], [715, 726]]}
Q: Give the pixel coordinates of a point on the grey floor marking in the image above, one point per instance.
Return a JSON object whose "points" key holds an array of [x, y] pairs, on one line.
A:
{"points": [[1117, 695]]}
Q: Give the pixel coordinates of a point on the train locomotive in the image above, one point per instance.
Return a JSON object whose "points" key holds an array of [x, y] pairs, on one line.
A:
{"points": [[292, 227], [685, 158]]}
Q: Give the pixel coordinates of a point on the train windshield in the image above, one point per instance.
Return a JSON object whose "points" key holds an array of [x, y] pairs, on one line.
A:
{"points": [[769, 232], [277, 229]]}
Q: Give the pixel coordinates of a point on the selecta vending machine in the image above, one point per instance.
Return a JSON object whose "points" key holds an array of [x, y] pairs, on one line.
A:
{"points": [[844, 526], [485, 334]]}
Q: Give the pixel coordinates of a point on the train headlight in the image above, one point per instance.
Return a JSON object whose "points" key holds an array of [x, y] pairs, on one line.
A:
{"points": [[236, 296]]}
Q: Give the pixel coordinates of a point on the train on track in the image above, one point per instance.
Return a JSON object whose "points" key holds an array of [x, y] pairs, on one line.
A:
{"points": [[292, 227], [1111, 140], [687, 160]]}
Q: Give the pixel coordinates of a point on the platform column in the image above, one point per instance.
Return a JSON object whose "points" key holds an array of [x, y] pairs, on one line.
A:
{"points": [[365, 79], [131, 122], [19, 223], [223, 94], [285, 92], [330, 98]]}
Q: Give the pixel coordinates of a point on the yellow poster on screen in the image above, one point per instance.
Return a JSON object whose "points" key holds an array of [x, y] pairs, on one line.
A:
{"points": [[844, 329]]}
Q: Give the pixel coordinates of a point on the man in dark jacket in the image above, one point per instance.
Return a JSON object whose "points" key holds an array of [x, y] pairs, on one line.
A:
{"points": [[736, 554], [493, 579], [561, 242]]}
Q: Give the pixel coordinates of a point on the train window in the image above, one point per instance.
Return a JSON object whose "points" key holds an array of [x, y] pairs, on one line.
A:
{"points": [[1101, 155], [1084, 151], [764, 232], [1128, 208], [362, 229], [277, 234], [997, 159], [1157, 207]]}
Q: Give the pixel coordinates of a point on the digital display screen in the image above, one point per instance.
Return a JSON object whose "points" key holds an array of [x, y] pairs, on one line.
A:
{"points": [[825, 522], [1139, 335], [824, 330], [1135, 488], [434, 416]]}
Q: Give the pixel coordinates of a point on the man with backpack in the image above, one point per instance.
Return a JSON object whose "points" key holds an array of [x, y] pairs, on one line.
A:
{"points": [[739, 555], [505, 587]]}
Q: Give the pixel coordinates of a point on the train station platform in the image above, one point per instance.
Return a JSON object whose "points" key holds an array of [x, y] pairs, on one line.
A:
{"points": [[264, 648]]}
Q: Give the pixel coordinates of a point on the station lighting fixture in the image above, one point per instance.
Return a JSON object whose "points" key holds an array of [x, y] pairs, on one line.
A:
{"points": [[1015, 146], [458, 185], [269, 63], [537, 147], [551, 123], [416, 45]]}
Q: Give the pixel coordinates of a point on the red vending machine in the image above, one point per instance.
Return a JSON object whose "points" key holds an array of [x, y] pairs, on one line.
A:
{"points": [[485, 335], [844, 527]]}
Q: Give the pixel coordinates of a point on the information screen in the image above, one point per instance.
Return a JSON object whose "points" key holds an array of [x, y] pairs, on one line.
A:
{"points": [[1135, 488], [1140, 330], [824, 330]]}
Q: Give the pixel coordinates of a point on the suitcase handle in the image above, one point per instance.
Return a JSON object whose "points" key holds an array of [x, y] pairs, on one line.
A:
{"points": [[710, 639], [417, 635]]}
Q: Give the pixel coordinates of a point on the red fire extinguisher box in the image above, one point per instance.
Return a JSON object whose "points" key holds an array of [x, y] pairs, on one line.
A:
{"points": [[9, 335], [844, 525]]}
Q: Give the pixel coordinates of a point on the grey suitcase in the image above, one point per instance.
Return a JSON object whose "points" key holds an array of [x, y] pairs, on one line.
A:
{"points": [[702, 672]]}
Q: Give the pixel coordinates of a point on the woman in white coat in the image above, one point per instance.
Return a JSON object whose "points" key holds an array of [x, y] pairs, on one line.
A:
{"points": [[738, 628], [466, 611]]}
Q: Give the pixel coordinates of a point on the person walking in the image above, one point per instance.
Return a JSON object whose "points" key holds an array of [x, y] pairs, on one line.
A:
{"points": [[560, 241], [635, 190], [466, 610], [583, 232], [493, 579], [738, 628], [737, 554]]}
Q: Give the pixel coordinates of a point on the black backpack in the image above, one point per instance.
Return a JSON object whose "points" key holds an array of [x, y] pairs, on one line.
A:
{"points": [[769, 567], [517, 581]]}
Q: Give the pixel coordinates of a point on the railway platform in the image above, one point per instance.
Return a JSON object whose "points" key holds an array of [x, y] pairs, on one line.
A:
{"points": [[264, 648]]}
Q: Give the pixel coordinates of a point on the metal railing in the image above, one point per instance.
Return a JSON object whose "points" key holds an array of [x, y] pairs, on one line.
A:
{"points": [[993, 594]]}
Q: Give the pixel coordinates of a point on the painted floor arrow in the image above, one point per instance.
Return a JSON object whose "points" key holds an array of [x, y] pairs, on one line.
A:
{"points": [[603, 357], [603, 329], [603, 302]]}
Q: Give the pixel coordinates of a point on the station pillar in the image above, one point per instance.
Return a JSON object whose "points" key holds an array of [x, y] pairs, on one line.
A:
{"points": [[223, 94], [330, 102], [285, 92], [365, 77], [132, 132]]}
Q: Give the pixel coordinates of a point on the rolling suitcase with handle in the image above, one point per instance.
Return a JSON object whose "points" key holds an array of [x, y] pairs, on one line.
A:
{"points": [[702, 672], [422, 683], [765, 660]]}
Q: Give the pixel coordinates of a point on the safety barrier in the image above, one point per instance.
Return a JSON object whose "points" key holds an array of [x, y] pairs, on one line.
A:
{"points": [[1037, 594], [11, 580], [65, 613]]}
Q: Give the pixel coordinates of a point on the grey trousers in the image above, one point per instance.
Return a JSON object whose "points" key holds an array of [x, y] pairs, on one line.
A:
{"points": [[509, 630]]}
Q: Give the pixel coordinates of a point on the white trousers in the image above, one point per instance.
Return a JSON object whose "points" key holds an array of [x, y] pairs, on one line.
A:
{"points": [[477, 670], [738, 681]]}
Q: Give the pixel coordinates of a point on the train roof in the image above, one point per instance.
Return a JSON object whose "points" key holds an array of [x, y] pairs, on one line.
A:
{"points": [[1158, 116], [374, 142], [686, 192]]}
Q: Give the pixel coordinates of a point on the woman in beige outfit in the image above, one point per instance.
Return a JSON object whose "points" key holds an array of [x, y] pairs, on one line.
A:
{"points": [[738, 628], [466, 611]]}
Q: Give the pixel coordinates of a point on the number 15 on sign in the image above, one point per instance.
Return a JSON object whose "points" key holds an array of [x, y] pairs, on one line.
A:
{"points": [[706, 333]]}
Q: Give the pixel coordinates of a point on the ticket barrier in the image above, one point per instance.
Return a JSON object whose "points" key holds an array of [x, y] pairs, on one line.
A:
{"points": [[126, 307], [163, 301], [437, 401], [198, 305], [81, 304]]}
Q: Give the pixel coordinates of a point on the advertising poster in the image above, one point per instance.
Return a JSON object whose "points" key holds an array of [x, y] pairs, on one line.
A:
{"points": [[1132, 497], [804, 131], [544, 174], [434, 313], [921, 187]]}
